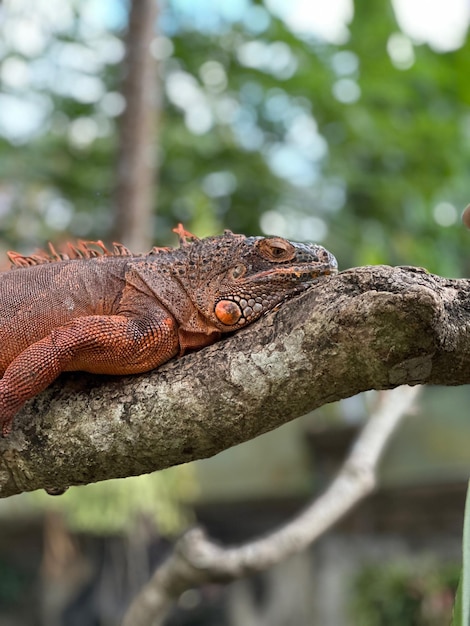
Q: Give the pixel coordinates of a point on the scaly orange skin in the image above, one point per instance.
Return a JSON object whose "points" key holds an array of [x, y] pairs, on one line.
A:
{"points": [[117, 313]]}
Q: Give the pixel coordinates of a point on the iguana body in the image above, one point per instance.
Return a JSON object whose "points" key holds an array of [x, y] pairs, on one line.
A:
{"points": [[115, 313]]}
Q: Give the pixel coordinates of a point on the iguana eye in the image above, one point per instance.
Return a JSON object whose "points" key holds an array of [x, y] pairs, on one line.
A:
{"points": [[276, 249], [237, 271]]}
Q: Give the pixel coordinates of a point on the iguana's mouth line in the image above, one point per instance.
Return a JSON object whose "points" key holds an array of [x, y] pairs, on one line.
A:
{"points": [[299, 272]]}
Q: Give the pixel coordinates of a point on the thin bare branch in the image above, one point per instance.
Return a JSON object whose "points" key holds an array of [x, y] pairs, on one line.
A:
{"points": [[196, 559]]}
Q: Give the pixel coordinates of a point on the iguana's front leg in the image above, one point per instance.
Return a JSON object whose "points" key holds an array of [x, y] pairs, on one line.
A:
{"points": [[114, 344]]}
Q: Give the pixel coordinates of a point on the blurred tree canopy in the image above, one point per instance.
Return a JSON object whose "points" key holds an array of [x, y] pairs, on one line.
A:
{"points": [[362, 145]]}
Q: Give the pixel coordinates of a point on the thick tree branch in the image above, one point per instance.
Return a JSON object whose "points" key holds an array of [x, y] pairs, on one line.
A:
{"points": [[368, 328], [196, 559]]}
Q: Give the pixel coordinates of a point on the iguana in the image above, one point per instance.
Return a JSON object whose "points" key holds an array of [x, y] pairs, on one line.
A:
{"points": [[117, 313]]}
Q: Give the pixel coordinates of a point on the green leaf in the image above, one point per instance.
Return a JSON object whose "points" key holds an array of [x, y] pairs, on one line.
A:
{"points": [[461, 614]]}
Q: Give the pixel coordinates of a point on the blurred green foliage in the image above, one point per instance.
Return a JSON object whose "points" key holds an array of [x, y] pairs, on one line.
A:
{"points": [[400, 593], [114, 506], [14, 584], [354, 145]]}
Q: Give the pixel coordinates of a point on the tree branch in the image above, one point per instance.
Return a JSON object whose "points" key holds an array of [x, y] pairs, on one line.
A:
{"points": [[367, 328], [196, 559]]}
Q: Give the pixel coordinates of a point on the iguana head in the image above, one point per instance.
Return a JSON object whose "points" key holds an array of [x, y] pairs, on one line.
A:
{"points": [[233, 280]]}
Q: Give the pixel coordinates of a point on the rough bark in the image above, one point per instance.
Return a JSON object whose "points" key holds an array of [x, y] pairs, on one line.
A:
{"points": [[367, 328], [136, 159]]}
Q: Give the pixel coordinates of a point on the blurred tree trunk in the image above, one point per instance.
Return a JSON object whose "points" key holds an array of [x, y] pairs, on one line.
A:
{"points": [[64, 570], [136, 159]]}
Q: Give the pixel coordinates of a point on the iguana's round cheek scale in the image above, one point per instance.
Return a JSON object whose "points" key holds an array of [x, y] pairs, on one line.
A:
{"points": [[238, 311], [228, 312]]}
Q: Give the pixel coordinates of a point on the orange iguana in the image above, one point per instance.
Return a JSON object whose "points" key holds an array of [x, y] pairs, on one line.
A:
{"points": [[117, 313]]}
